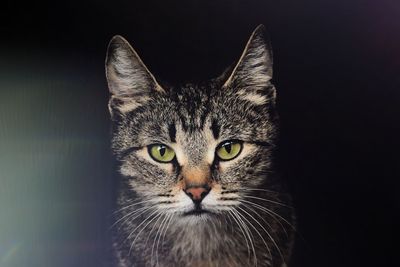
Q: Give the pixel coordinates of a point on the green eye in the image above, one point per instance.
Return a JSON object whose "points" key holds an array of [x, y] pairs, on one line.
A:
{"points": [[161, 153], [229, 150]]}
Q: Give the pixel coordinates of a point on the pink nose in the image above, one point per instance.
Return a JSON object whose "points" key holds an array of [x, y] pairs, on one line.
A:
{"points": [[197, 193]]}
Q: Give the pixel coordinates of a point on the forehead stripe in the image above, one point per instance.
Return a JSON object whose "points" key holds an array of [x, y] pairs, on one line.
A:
{"points": [[172, 132], [215, 128]]}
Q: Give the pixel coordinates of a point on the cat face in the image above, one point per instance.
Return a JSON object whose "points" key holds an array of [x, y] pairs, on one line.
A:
{"points": [[192, 151]]}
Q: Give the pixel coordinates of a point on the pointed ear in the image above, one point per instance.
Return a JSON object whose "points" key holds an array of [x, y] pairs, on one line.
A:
{"points": [[129, 80], [251, 77]]}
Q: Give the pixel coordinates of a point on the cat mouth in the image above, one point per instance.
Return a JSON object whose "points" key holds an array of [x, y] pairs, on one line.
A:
{"points": [[196, 212]]}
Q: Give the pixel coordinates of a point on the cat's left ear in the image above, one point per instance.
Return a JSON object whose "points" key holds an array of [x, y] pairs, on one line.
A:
{"points": [[251, 77]]}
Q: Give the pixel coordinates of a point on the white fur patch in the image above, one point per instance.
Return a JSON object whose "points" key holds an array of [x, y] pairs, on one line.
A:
{"points": [[254, 98], [128, 103]]}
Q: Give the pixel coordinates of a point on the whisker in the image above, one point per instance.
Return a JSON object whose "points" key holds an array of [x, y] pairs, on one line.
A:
{"points": [[135, 211], [144, 221], [262, 218], [269, 235], [139, 211], [269, 225], [269, 212], [250, 235], [166, 229], [149, 234], [158, 215], [265, 243], [156, 236], [230, 222], [164, 225], [268, 200], [131, 205], [257, 189], [244, 235]]}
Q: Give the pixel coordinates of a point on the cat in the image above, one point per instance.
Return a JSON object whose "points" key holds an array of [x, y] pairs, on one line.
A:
{"points": [[197, 182]]}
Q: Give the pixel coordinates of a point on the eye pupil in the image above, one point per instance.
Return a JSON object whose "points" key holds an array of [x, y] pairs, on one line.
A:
{"points": [[228, 148], [162, 151]]}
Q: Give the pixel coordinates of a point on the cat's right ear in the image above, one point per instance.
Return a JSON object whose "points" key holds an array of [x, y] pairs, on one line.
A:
{"points": [[251, 77], [129, 80]]}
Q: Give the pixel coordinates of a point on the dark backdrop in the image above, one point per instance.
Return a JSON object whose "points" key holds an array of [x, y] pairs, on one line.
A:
{"points": [[336, 67]]}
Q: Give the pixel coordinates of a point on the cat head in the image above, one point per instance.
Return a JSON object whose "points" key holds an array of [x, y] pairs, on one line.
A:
{"points": [[193, 150]]}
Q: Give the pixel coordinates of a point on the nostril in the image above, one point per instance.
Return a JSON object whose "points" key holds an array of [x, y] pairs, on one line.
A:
{"points": [[203, 195]]}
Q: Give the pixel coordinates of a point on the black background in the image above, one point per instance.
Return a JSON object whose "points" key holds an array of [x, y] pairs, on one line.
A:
{"points": [[336, 67]]}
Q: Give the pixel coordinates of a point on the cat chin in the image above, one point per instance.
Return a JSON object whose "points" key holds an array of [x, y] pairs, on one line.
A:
{"points": [[194, 218]]}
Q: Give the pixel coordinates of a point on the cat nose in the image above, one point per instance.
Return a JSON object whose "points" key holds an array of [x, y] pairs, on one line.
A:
{"points": [[197, 193]]}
